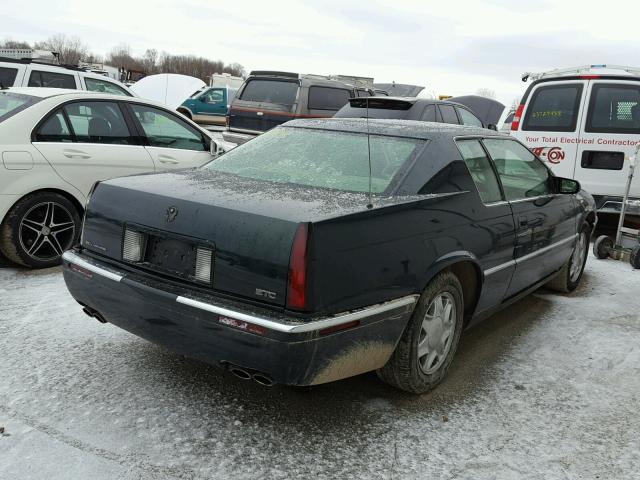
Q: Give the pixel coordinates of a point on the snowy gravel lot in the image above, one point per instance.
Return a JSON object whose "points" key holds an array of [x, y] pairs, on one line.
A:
{"points": [[547, 389]]}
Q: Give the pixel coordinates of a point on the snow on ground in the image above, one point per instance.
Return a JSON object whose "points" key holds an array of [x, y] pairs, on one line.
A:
{"points": [[547, 389]]}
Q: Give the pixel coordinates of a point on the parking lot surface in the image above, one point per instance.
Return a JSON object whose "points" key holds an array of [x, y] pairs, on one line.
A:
{"points": [[547, 389]]}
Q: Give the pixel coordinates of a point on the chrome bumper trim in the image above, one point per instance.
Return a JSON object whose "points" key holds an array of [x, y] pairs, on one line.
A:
{"points": [[303, 327], [71, 257], [286, 327]]}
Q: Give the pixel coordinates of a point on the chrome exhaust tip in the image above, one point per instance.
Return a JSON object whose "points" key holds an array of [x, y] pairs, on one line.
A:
{"points": [[262, 380], [240, 373]]}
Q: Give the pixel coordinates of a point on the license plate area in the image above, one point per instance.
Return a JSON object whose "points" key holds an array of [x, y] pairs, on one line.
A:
{"points": [[170, 255]]}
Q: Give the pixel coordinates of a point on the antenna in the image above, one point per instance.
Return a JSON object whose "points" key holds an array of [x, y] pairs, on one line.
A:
{"points": [[370, 203]]}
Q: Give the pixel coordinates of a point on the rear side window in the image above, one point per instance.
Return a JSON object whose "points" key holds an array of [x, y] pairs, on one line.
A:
{"points": [[327, 98], [270, 91], [614, 108], [51, 80], [469, 118], [448, 114], [97, 85], [429, 114], [8, 76], [54, 129], [98, 122], [481, 170], [12, 103], [554, 108]]}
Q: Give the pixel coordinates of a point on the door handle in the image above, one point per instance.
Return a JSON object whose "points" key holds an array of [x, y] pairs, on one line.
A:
{"points": [[75, 154], [167, 160], [525, 222]]}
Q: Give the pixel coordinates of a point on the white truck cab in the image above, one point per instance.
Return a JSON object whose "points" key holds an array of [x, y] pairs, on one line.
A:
{"points": [[584, 122]]}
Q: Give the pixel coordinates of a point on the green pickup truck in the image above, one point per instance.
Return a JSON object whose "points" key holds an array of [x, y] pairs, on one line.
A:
{"points": [[209, 105]]}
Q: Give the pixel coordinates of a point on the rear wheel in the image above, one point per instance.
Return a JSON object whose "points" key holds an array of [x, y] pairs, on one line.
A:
{"points": [[430, 340], [38, 229], [603, 246], [569, 277]]}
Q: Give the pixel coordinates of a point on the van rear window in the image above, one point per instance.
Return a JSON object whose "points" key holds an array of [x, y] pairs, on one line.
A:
{"points": [[614, 108], [554, 108], [280, 92]]}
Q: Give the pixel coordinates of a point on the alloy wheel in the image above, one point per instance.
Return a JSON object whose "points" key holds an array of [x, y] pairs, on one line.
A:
{"points": [[436, 334], [46, 231]]}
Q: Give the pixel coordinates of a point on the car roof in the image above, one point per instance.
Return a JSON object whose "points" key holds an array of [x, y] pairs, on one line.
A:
{"points": [[399, 128], [69, 94]]}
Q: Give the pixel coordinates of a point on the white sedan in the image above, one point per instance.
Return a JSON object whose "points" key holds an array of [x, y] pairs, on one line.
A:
{"points": [[55, 144]]}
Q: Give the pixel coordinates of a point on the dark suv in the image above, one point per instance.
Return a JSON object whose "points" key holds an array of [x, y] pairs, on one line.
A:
{"points": [[402, 108], [267, 99]]}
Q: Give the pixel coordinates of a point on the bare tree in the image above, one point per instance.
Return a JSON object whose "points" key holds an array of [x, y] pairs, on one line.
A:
{"points": [[8, 43], [149, 60], [486, 92], [70, 50]]}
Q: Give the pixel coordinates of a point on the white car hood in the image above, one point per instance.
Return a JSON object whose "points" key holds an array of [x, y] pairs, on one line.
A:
{"points": [[169, 89]]}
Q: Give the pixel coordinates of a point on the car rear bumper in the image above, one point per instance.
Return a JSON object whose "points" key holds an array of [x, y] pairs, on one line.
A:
{"points": [[231, 334]]}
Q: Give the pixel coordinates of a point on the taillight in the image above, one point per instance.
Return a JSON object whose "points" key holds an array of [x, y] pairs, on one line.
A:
{"points": [[515, 124], [297, 288], [226, 121], [589, 76]]}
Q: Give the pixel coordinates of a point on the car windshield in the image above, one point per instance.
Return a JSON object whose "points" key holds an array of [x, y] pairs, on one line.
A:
{"points": [[319, 158], [12, 103]]}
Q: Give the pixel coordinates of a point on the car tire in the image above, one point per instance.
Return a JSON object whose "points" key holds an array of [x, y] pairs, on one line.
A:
{"points": [[569, 277], [634, 257], [420, 360], [38, 228]]}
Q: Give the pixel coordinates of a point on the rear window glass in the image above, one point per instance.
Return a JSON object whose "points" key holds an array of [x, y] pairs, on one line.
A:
{"points": [[448, 114], [103, 86], [326, 98], [614, 109], [270, 91], [319, 158], [51, 80], [12, 103], [8, 76], [554, 108], [469, 118], [429, 114]]}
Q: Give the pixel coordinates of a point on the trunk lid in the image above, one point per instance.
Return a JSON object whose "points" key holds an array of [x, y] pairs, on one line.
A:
{"points": [[249, 226]]}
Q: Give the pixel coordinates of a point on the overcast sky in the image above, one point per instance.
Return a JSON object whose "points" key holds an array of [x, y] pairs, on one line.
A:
{"points": [[452, 47]]}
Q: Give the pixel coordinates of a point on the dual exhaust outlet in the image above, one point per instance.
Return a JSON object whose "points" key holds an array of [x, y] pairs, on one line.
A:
{"points": [[240, 372], [248, 374]]}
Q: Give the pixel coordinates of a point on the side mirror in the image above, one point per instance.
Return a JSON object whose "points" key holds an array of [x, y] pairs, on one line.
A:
{"points": [[203, 99], [491, 126], [215, 149], [567, 185]]}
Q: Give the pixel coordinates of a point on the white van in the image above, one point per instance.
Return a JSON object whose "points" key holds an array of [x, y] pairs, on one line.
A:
{"points": [[29, 73], [583, 122]]}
